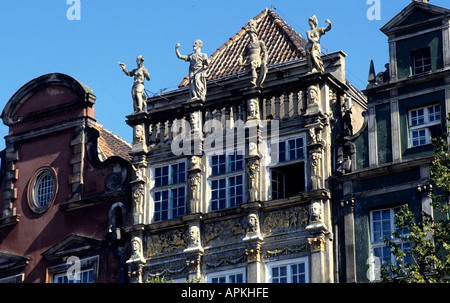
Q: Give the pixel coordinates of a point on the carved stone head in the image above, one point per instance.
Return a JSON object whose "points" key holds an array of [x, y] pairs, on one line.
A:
{"points": [[313, 95]]}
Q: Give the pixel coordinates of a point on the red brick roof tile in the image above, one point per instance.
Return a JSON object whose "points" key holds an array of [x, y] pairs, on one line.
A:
{"points": [[283, 44], [113, 145]]}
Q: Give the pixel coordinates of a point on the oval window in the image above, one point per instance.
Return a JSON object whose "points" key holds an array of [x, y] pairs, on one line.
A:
{"points": [[42, 190]]}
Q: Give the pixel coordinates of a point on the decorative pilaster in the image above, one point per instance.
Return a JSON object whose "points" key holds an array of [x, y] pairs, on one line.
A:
{"points": [[348, 207], [8, 215], [194, 181], [137, 261]]}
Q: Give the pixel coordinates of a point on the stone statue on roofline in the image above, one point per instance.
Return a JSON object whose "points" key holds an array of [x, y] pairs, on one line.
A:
{"points": [[313, 50], [137, 91], [256, 56], [198, 64]]}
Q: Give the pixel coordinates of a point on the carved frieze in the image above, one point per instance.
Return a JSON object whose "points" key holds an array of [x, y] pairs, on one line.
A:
{"points": [[225, 230], [167, 242], [225, 260], [285, 220], [286, 250]]}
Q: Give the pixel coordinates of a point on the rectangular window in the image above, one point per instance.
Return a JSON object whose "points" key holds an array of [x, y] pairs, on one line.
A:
{"points": [[86, 276], [88, 272], [227, 181], [178, 173], [236, 162], [278, 183], [291, 149], [235, 187], [232, 276], [161, 199], [421, 61], [169, 191], [290, 271], [162, 176], [218, 194], [218, 165], [424, 123], [178, 202], [382, 224]]}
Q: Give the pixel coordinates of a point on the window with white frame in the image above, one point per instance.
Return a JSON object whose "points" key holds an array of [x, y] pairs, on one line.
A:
{"points": [[169, 191], [87, 273], [424, 123], [231, 276], [288, 271], [382, 225], [226, 180], [85, 276], [291, 149]]}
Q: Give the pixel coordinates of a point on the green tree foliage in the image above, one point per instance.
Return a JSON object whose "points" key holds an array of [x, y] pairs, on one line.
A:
{"points": [[428, 258]]}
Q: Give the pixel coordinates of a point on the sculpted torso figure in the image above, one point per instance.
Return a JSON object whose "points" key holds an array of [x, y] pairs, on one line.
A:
{"points": [[198, 63], [137, 91], [313, 50]]}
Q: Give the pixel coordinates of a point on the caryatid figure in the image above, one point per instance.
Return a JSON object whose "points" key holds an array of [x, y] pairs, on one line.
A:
{"points": [[137, 91], [253, 53], [198, 63], [313, 50]]}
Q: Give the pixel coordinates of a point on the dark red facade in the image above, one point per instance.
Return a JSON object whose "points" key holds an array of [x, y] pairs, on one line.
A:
{"points": [[64, 196]]}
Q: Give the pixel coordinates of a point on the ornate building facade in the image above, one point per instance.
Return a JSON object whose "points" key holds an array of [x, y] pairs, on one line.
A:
{"points": [[407, 106], [232, 170], [63, 182]]}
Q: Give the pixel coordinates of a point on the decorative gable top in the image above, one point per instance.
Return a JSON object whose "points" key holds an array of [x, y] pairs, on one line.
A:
{"points": [[415, 13], [70, 245], [47, 95], [283, 45]]}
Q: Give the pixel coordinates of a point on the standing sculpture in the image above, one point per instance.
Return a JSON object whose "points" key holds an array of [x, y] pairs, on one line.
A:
{"points": [[253, 53], [137, 91], [197, 70], [313, 50]]}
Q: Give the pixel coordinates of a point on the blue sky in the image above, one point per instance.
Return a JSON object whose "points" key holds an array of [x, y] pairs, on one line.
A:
{"points": [[37, 38]]}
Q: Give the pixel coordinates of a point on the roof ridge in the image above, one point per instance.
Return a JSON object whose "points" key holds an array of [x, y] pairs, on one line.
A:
{"points": [[269, 24], [292, 34]]}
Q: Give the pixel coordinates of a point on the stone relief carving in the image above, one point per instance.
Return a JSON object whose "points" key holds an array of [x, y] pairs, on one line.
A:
{"points": [[253, 53], [194, 236], [313, 96], [138, 209], [224, 261], [313, 49], [136, 253], [253, 109], [198, 64], [194, 181], [287, 250], [138, 134], [225, 230], [253, 178], [316, 212], [137, 91], [286, 220], [316, 174], [167, 242]]}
